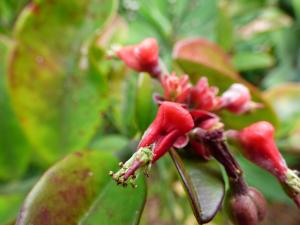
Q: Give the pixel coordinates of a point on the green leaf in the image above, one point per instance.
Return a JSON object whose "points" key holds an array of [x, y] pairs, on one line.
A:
{"points": [[153, 14], [224, 28], [110, 143], [118, 205], [263, 181], [285, 99], [123, 104], [77, 190], [9, 10], [52, 83], [252, 60], [199, 57], [11, 197], [264, 20], [204, 185], [145, 107], [296, 6], [199, 18], [9, 207], [13, 144]]}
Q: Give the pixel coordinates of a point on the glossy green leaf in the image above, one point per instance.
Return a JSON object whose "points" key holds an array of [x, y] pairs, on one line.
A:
{"points": [[243, 61], [199, 57], [118, 205], [11, 197], [77, 190], [204, 185], [145, 106], [54, 88], [13, 144]]}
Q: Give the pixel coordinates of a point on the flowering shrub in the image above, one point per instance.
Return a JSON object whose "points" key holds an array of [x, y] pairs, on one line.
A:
{"points": [[190, 112]]}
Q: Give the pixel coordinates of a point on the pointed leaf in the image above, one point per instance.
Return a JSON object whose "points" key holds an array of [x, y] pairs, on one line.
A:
{"points": [[198, 54], [199, 57], [204, 185], [77, 190], [252, 60], [56, 92]]}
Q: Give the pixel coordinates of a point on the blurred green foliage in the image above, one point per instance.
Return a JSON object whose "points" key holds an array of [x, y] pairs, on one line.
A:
{"points": [[60, 94]]}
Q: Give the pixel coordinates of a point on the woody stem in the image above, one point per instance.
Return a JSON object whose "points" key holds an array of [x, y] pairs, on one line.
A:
{"points": [[214, 141]]}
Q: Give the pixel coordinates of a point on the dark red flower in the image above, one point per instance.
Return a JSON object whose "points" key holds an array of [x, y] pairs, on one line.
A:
{"points": [[169, 127], [204, 97], [142, 57], [176, 88], [172, 121], [258, 145]]}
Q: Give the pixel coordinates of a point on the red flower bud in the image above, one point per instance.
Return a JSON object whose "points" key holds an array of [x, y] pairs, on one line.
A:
{"points": [[259, 201], [142, 57], [176, 88], [237, 99], [172, 121], [204, 97], [258, 145]]}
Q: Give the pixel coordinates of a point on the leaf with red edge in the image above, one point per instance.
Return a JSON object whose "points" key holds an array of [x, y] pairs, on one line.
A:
{"points": [[199, 57], [205, 55], [203, 183]]}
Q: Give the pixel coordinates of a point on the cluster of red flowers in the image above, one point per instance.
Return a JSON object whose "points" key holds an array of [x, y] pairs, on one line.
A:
{"points": [[187, 115]]}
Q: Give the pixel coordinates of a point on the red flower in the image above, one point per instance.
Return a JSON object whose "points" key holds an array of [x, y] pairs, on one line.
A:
{"points": [[259, 147], [172, 122], [142, 57], [204, 97], [176, 88], [237, 99]]}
